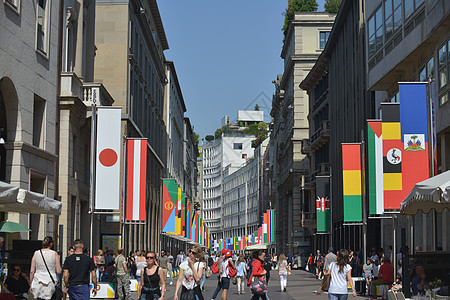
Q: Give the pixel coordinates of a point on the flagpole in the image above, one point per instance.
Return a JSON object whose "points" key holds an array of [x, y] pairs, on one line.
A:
{"points": [[92, 171], [363, 192], [430, 80]]}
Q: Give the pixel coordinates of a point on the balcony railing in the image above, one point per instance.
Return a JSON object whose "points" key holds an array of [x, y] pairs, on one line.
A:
{"points": [[321, 134], [89, 93]]}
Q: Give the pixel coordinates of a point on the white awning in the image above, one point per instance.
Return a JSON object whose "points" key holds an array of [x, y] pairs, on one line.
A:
{"points": [[15, 199], [257, 247], [433, 193]]}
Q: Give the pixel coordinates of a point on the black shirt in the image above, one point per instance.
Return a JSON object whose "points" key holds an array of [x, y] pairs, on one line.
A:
{"points": [[17, 286], [79, 266]]}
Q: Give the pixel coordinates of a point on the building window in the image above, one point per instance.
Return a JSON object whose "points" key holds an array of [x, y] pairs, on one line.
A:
{"points": [[443, 99], [13, 4], [392, 16], [375, 31], [324, 35], [38, 122], [443, 66], [244, 156], [42, 25], [411, 6], [237, 146]]}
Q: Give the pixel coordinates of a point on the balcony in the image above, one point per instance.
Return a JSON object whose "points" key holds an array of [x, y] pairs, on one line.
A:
{"points": [[306, 146], [321, 136], [73, 87]]}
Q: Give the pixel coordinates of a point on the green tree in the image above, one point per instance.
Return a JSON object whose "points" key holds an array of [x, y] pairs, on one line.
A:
{"points": [[295, 6], [259, 130], [196, 136], [209, 138], [256, 107], [332, 6], [225, 129]]}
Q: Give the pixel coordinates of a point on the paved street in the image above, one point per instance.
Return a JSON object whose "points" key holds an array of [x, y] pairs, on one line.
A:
{"points": [[301, 285]]}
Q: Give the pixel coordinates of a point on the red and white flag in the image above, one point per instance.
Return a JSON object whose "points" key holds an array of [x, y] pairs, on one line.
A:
{"points": [[136, 179], [107, 175]]}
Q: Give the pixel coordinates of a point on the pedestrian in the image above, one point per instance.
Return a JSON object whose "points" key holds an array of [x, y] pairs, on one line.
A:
{"points": [[329, 258], [139, 265], [368, 273], [268, 267], [283, 268], [170, 267], [310, 263], [163, 262], [99, 261], [385, 276], [18, 283], [224, 278], [108, 257], [152, 284], [76, 274], [219, 260], [131, 265], [191, 272], [341, 276], [123, 279], [274, 261], [290, 258], [203, 280], [318, 263], [240, 276], [258, 271], [45, 265], [180, 259]]}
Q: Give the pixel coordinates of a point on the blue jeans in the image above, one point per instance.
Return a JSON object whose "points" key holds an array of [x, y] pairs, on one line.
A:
{"points": [[202, 281], [219, 287], [337, 296], [79, 292]]}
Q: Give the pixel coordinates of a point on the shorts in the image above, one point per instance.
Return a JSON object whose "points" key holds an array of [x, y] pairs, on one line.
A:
{"points": [[225, 283], [367, 276], [79, 291]]}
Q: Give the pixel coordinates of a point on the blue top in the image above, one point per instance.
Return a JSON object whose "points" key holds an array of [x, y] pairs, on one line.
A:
{"points": [[241, 269]]}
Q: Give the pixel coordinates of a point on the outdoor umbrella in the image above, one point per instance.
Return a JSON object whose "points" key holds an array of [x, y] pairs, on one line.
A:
{"points": [[433, 193], [10, 227]]}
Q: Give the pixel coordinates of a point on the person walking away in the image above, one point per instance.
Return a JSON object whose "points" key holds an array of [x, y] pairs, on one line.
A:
{"points": [[99, 261], [258, 271], [18, 283], [108, 257], [283, 268], [220, 259], [131, 265], [191, 272], [170, 266], [140, 264], [268, 267], [329, 258], [274, 261], [290, 258], [310, 263], [180, 259], [123, 279], [203, 279], [152, 284], [318, 263], [240, 276], [42, 285], [385, 276], [340, 277], [76, 274], [163, 262], [367, 274]]}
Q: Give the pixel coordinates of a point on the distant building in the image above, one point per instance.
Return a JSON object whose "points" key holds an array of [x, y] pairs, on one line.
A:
{"points": [[305, 39], [230, 152]]}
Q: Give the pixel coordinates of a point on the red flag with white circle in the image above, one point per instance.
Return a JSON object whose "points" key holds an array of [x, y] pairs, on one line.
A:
{"points": [[107, 167], [136, 179]]}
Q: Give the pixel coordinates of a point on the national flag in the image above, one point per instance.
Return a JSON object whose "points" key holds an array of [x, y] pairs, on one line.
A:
{"points": [[414, 134], [323, 203], [178, 216], [170, 193], [351, 170], [264, 228], [183, 214], [375, 166], [392, 156], [136, 179], [108, 144]]}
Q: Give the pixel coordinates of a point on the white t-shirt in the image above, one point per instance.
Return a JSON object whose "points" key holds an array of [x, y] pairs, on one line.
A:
{"points": [[338, 282], [189, 280], [225, 267]]}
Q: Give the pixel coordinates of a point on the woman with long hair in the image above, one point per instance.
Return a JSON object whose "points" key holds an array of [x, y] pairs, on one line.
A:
{"points": [[152, 283], [240, 276], [45, 265], [258, 271], [283, 268], [341, 275], [99, 261], [191, 271]]}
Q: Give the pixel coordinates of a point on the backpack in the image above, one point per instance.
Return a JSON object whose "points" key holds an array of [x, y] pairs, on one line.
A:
{"points": [[231, 271], [215, 267]]}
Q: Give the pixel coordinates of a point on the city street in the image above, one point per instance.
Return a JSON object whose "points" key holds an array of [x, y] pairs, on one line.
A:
{"points": [[301, 285]]}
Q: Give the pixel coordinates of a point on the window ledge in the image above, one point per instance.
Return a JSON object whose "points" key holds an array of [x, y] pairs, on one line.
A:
{"points": [[11, 6], [42, 53]]}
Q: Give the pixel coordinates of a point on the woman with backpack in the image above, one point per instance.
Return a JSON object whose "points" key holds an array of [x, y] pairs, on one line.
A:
{"points": [[191, 272]]}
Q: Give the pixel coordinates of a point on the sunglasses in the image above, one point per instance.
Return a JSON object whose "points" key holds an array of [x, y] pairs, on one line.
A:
{"points": [[150, 257], [16, 270]]}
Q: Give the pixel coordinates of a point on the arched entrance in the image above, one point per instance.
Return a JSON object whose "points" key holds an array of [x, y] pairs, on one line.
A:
{"points": [[8, 120]]}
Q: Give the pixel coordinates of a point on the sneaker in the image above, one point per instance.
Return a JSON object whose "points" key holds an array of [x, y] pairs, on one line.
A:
{"points": [[171, 283]]}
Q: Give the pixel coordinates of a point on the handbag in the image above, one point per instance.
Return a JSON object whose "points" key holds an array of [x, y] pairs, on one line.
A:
{"points": [[258, 286], [208, 273], [325, 282], [231, 271], [58, 293]]}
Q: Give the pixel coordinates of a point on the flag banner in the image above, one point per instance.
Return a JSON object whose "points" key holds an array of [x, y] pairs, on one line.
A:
{"points": [[392, 156], [414, 134], [183, 214], [323, 203], [264, 227], [351, 179], [375, 167], [107, 174], [170, 194], [178, 213], [272, 220], [136, 179]]}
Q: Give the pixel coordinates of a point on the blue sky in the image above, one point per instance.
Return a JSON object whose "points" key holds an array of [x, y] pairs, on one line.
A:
{"points": [[226, 54]]}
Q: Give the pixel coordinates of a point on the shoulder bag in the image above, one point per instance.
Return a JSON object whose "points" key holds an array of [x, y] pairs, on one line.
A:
{"points": [[326, 282], [58, 293], [152, 292]]}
